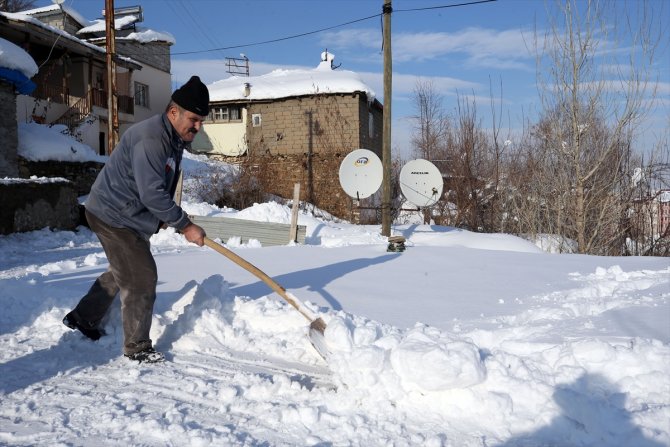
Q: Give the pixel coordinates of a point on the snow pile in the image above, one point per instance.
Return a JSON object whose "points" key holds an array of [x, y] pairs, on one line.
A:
{"points": [[39, 142], [15, 58], [422, 359]]}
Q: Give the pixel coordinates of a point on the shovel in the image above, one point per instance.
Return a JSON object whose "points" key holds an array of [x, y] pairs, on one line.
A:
{"points": [[316, 326]]}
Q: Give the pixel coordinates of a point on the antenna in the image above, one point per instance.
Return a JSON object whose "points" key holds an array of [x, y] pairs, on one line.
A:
{"points": [[421, 183], [361, 173], [238, 65]]}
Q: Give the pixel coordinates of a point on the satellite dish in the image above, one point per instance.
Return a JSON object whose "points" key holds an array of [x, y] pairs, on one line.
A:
{"points": [[421, 182], [361, 173]]}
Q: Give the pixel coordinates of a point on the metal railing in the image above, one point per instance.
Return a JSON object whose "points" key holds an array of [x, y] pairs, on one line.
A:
{"points": [[53, 93]]}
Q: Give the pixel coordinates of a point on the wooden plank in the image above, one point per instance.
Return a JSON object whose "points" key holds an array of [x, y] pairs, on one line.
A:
{"points": [[267, 233], [293, 235]]}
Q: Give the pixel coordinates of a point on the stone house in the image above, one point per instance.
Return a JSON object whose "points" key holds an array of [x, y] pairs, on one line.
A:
{"points": [[294, 126]]}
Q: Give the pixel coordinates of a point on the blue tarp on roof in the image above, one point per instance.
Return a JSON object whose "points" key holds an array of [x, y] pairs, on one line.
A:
{"points": [[22, 83]]}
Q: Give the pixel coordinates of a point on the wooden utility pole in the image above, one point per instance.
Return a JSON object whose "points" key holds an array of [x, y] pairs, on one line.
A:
{"points": [[112, 99], [386, 133]]}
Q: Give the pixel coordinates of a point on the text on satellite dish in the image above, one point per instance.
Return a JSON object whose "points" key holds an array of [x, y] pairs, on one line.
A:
{"points": [[362, 161], [420, 172]]}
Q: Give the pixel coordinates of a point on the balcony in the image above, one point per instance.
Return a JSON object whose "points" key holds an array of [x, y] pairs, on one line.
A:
{"points": [[53, 93], [125, 104]]}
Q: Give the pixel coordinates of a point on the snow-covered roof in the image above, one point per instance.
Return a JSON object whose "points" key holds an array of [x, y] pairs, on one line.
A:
{"points": [[55, 8], [15, 58], [22, 17], [99, 25], [287, 83], [145, 35]]}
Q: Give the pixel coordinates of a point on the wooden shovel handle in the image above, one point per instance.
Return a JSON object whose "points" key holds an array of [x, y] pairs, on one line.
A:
{"points": [[293, 301]]}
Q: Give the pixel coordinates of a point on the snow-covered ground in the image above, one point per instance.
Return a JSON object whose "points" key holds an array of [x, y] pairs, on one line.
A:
{"points": [[462, 340]]}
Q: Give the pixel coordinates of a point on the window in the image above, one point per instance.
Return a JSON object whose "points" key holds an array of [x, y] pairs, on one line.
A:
{"points": [[225, 113], [141, 94], [218, 114], [256, 119], [234, 113]]}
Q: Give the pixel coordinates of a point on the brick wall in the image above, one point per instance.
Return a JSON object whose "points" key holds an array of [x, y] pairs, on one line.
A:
{"points": [[321, 123], [8, 132], [304, 140]]}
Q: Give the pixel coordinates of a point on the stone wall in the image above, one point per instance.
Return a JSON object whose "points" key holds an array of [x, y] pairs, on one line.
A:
{"points": [[81, 174], [8, 131], [32, 205]]}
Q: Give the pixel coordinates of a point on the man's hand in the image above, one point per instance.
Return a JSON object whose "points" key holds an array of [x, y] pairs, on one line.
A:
{"points": [[194, 233]]}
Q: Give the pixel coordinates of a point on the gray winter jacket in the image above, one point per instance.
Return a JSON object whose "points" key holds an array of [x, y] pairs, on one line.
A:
{"points": [[133, 190]]}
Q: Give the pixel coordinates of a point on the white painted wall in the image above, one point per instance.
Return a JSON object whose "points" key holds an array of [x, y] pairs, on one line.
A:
{"points": [[160, 91], [226, 139]]}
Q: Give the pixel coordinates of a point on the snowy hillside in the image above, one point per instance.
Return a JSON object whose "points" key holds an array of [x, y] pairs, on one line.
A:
{"points": [[462, 340]]}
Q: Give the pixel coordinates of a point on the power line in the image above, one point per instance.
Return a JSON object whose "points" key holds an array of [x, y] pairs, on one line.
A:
{"points": [[476, 2], [444, 6], [279, 39], [320, 30]]}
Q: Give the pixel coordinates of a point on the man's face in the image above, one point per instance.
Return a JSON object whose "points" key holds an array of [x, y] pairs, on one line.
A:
{"points": [[186, 123]]}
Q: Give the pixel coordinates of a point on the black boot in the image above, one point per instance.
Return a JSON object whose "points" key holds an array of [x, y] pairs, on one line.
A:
{"points": [[88, 329], [149, 355]]}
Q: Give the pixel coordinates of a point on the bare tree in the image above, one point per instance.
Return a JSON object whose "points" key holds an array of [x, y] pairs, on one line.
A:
{"points": [[428, 140], [592, 102]]}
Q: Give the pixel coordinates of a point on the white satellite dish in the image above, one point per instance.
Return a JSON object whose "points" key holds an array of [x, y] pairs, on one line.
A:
{"points": [[361, 173], [421, 182]]}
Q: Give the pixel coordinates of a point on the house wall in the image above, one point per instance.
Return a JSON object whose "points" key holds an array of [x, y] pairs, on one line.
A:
{"points": [[160, 91], [8, 132], [154, 54], [222, 139], [59, 20], [306, 124], [304, 140], [318, 178], [27, 105]]}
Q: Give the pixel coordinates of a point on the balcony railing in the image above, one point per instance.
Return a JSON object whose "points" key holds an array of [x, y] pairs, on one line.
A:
{"points": [[125, 104], [53, 93]]}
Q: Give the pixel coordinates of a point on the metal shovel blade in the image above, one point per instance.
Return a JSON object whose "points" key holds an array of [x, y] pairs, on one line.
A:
{"points": [[318, 338]]}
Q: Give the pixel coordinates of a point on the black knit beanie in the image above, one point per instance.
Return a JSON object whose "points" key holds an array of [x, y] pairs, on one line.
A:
{"points": [[193, 96]]}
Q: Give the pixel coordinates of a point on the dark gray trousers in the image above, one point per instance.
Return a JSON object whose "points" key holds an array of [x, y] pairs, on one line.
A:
{"points": [[132, 274]]}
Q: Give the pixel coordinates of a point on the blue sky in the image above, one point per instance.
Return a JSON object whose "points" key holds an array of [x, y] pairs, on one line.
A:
{"points": [[467, 49]]}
